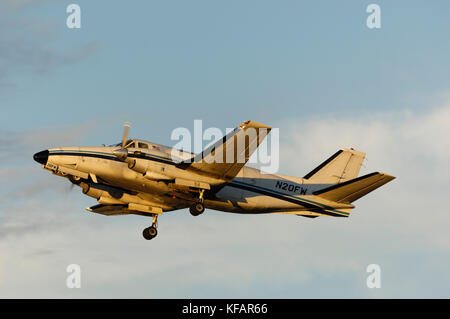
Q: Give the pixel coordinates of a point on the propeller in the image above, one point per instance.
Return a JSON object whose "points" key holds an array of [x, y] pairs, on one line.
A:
{"points": [[69, 188], [122, 153], [126, 130]]}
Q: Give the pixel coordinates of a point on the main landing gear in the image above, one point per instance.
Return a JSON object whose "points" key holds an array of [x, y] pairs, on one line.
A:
{"points": [[151, 232], [198, 208]]}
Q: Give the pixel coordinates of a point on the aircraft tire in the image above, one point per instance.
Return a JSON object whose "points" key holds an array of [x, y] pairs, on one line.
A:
{"points": [[75, 179], [197, 209], [150, 232]]}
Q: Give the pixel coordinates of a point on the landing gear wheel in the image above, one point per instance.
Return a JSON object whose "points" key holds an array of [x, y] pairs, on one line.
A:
{"points": [[150, 232], [197, 209], [75, 179]]}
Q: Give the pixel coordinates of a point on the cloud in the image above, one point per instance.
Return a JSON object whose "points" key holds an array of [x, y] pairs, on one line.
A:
{"points": [[401, 226], [20, 176], [20, 144], [57, 135], [414, 146], [398, 142], [25, 44]]}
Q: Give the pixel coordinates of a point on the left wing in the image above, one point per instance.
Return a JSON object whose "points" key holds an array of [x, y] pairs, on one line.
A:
{"points": [[225, 158]]}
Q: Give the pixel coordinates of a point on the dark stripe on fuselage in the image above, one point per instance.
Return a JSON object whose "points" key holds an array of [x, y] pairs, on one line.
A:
{"points": [[112, 157], [282, 197]]}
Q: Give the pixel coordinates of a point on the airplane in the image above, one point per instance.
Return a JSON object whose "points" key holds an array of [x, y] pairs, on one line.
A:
{"points": [[144, 178]]}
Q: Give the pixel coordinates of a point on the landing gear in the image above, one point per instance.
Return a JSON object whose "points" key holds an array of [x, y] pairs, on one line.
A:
{"points": [[75, 179], [198, 208], [151, 232]]}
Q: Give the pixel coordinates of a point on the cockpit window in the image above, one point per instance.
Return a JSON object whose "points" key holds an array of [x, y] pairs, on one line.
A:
{"points": [[114, 145], [129, 144], [142, 145], [136, 144]]}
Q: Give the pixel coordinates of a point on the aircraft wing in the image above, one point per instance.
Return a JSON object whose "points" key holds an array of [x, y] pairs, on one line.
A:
{"points": [[125, 209], [109, 210], [225, 158]]}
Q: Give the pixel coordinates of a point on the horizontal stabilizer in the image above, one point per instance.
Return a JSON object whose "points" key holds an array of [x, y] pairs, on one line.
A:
{"points": [[351, 190], [312, 213]]}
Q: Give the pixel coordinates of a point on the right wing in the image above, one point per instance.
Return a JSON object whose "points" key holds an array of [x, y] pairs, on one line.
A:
{"points": [[225, 158]]}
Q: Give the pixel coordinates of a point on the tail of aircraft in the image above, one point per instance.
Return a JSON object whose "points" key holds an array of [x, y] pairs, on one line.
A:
{"points": [[342, 166], [342, 170], [349, 191]]}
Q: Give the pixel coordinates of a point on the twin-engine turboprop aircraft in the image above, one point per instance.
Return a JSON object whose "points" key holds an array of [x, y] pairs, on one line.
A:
{"points": [[144, 178]]}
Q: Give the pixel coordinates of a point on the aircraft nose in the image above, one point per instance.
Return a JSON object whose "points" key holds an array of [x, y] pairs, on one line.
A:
{"points": [[41, 157]]}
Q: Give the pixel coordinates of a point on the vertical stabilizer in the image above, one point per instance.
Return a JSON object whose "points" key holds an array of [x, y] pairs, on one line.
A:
{"points": [[342, 166]]}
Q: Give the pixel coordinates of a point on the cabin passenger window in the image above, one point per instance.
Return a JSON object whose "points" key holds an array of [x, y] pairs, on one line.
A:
{"points": [[142, 145]]}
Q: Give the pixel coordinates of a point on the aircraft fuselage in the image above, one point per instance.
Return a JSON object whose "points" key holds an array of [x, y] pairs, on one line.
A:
{"points": [[249, 192]]}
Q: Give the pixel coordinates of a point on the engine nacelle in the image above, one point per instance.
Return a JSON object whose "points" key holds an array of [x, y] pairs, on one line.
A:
{"points": [[138, 165], [148, 169], [109, 194], [155, 176], [91, 191]]}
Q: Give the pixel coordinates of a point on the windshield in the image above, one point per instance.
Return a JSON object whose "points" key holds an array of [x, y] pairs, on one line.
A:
{"points": [[142, 145], [127, 144]]}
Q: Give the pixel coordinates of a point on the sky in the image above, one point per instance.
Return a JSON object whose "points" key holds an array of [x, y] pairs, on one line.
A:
{"points": [[313, 69]]}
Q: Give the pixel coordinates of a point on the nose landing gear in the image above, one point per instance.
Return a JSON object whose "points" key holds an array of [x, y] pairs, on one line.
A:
{"points": [[151, 232]]}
